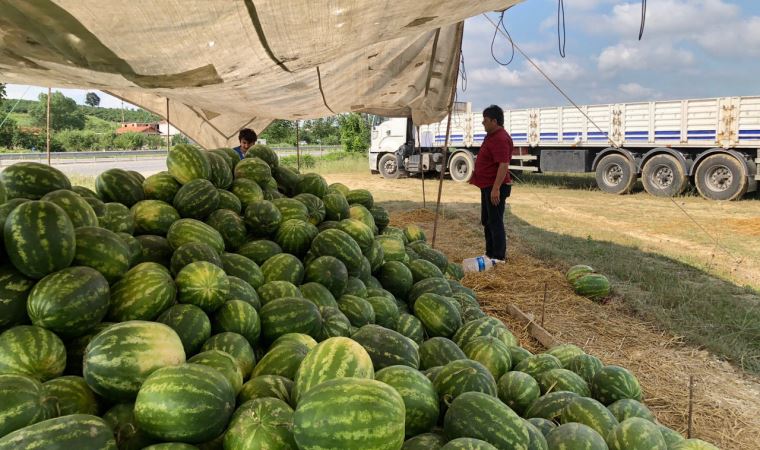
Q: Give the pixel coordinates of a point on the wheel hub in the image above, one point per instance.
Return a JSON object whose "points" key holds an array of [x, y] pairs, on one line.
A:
{"points": [[613, 175], [720, 178], [663, 177], [390, 166], [461, 168]]}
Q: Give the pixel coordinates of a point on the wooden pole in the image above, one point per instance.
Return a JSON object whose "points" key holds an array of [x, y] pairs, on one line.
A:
{"points": [[168, 125], [691, 406], [48, 126], [422, 169], [298, 147], [543, 306]]}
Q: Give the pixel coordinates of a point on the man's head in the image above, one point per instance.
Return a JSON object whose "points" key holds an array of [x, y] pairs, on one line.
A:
{"points": [[493, 117], [247, 138]]}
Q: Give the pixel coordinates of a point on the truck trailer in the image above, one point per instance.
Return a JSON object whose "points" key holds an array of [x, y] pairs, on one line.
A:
{"points": [[712, 144]]}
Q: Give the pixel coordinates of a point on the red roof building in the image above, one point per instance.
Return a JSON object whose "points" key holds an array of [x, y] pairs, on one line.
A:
{"points": [[145, 128]]}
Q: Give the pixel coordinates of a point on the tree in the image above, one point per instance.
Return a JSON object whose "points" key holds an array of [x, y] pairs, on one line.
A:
{"points": [[354, 132], [2, 92], [64, 113], [324, 131], [280, 132], [7, 130], [92, 99]]}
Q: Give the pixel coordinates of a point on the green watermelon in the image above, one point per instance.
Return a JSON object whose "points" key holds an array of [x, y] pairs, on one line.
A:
{"points": [[231, 157], [578, 271], [193, 252], [294, 236], [203, 284], [386, 311], [550, 406], [187, 163], [121, 419], [429, 286], [75, 349], [134, 247], [191, 324], [314, 205], [79, 431], [565, 353], [355, 287], [339, 244], [14, 290], [518, 354], [153, 217], [358, 310], [393, 248], [31, 351], [69, 302], [263, 218], [102, 250], [277, 289], [438, 314], [563, 380], [32, 180], [160, 186], [518, 390], [396, 278], [79, 211], [120, 358], [318, 424], [262, 423], [228, 200], [196, 199], [497, 424], [119, 186], [467, 444], [154, 249], [491, 352], [312, 183], [117, 218], [625, 408], [439, 351], [283, 267], [387, 347], [575, 435], [282, 360], [230, 226], [420, 398], [414, 233], [225, 363], [585, 365], [693, 444], [543, 425], [265, 153], [240, 290], [289, 315], [359, 212], [634, 434], [274, 386], [612, 383], [672, 437], [69, 395], [136, 175], [334, 323], [84, 192], [237, 265], [594, 286], [190, 230], [190, 402], [360, 196], [237, 346], [535, 365], [464, 375], [380, 214], [255, 169], [328, 271], [411, 327], [239, 317], [422, 269], [454, 271], [247, 191], [220, 173], [23, 402], [336, 207], [425, 441], [591, 413]]}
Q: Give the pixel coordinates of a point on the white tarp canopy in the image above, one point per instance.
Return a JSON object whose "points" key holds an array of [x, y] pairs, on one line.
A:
{"points": [[230, 64]]}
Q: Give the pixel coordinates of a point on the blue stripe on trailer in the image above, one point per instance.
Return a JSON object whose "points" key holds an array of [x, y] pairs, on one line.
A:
{"points": [[637, 133], [636, 138], [597, 133], [749, 132], [701, 138], [519, 134], [572, 133], [671, 132], [701, 132]]}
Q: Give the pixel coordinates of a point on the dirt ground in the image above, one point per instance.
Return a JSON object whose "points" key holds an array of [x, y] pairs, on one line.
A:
{"points": [[726, 401]]}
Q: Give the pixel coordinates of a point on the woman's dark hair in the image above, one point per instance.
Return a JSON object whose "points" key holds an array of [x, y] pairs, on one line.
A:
{"points": [[247, 134], [496, 113]]}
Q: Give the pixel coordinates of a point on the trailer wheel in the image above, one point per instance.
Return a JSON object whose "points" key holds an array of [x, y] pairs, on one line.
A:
{"points": [[664, 176], [461, 167], [615, 174], [721, 177], [388, 166]]}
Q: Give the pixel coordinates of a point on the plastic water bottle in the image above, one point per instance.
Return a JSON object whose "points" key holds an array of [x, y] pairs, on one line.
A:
{"points": [[478, 264]]}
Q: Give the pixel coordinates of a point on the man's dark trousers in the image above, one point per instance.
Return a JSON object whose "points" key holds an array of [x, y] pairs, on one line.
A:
{"points": [[492, 219]]}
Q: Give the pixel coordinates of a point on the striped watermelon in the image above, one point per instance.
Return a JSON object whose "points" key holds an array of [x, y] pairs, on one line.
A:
{"points": [[23, 402], [585, 365], [120, 358], [386, 311], [612, 383], [230, 226], [358, 310], [312, 183], [563, 380], [291, 209], [186, 163], [263, 218], [295, 236], [155, 249], [420, 398], [360, 232], [283, 267], [134, 247], [360, 196], [636, 433], [578, 271], [247, 191], [240, 290], [393, 248], [75, 349], [264, 386], [265, 153], [136, 175], [142, 294], [336, 207], [468, 444], [550, 406], [225, 363], [591, 413], [237, 346], [237, 265], [318, 424], [439, 351], [411, 327], [119, 186], [565, 353], [334, 323], [153, 217], [413, 233], [434, 256], [330, 272], [396, 278], [191, 324], [422, 269], [518, 354], [14, 290], [196, 199], [575, 435], [454, 271], [359, 212], [387, 347], [425, 441], [537, 364], [239, 317], [31, 351], [277, 289], [381, 217], [282, 360], [518, 390], [76, 431], [228, 200], [289, 315], [231, 158], [355, 287], [79, 211], [262, 423], [121, 419], [693, 444], [160, 186], [189, 402], [337, 357], [375, 256], [672, 437], [69, 302], [438, 314], [193, 252], [491, 352], [497, 424], [543, 425], [69, 395], [429, 286], [39, 238], [255, 169], [202, 284], [191, 230], [220, 173], [339, 244], [117, 218], [625, 408], [464, 375], [314, 205], [85, 192], [102, 250], [594, 286], [32, 180], [300, 338]]}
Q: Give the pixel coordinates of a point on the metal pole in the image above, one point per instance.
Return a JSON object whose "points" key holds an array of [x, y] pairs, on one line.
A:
{"points": [[168, 138], [48, 125], [298, 148], [422, 169]]}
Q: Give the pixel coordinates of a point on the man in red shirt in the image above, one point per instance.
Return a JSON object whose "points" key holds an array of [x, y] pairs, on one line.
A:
{"points": [[492, 177]]}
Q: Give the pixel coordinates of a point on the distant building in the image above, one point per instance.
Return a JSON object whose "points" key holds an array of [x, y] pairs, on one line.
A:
{"points": [[162, 129], [137, 127]]}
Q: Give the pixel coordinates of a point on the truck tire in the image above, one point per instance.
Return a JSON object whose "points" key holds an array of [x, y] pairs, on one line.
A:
{"points": [[615, 174], [461, 167], [664, 176], [721, 177], [388, 166]]}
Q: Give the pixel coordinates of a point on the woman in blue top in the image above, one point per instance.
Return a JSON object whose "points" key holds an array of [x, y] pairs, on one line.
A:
{"points": [[247, 138]]}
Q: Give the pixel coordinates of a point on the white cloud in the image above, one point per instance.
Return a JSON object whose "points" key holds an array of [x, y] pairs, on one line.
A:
{"points": [[643, 56], [526, 75], [637, 91]]}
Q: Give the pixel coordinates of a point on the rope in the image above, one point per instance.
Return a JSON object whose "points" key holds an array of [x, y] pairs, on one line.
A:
{"points": [[503, 29], [643, 17], [561, 30]]}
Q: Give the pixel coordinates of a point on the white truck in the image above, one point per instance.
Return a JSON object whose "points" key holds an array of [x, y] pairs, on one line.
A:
{"points": [[712, 143]]}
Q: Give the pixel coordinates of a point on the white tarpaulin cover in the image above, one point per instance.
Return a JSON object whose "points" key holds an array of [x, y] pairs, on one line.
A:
{"points": [[230, 64]]}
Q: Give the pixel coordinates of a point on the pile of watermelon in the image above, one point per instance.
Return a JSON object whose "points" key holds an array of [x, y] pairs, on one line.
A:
{"points": [[228, 304], [586, 282]]}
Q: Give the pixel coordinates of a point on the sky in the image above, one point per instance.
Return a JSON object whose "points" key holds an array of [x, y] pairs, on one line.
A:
{"points": [[690, 49]]}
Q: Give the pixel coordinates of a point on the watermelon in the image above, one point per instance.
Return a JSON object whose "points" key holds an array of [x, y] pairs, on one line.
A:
{"points": [[339, 244], [79, 431], [220, 173], [386, 311], [154, 249], [300, 338], [376, 257], [594, 286], [359, 212], [228, 200], [262, 423], [239, 317], [263, 218], [336, 357], [636, 433], [585, 365], [31, 351], [79, 211], [191, 230], [282, 360], [334, 323], [203, 284], [23, 402], [277, 289], [565, 353], [359, 231], [626, 408], [69, 395], [612, 383], [358, 310], [264, 386], [411, 327], [336, 207], [160, 186], [295, 236], [318, 424], [535, 365], [454, 271], [193, 252], [428, 286], [550, 406], [291, 209], [422, 269], [225, 363], [543, 425], [425, 441], [497, 424], [518, 390], [289, 315], [420, 398], [237, 346], [438, 315], [693, 444], [187, 163], [75, 349], [153, 217], [434, 256], [591, 413], [396, 278], [312, 183], [121, 419], [518, 354], [117, 185], [120, 358], [69, 302], [231, 157], [563, 380], [117, 218], [191, 324], [247, 191], [134, 247], [14, 290], [83, 192], [265, 153], [32, 180], [672, 437], [328, 271], [395, 232], [196, 199], [190, 403], [393, 248], [255, 169], [387, 347], [102, 250], [464, 375], [230, 226], [39, 238], [439, 351], [240, 290], [491, 352], [467, 444], [414, 233], [578, 271], [355, 287], [237, 265], [575, 435], [360, 196], [286, 179], [381, 217]]}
